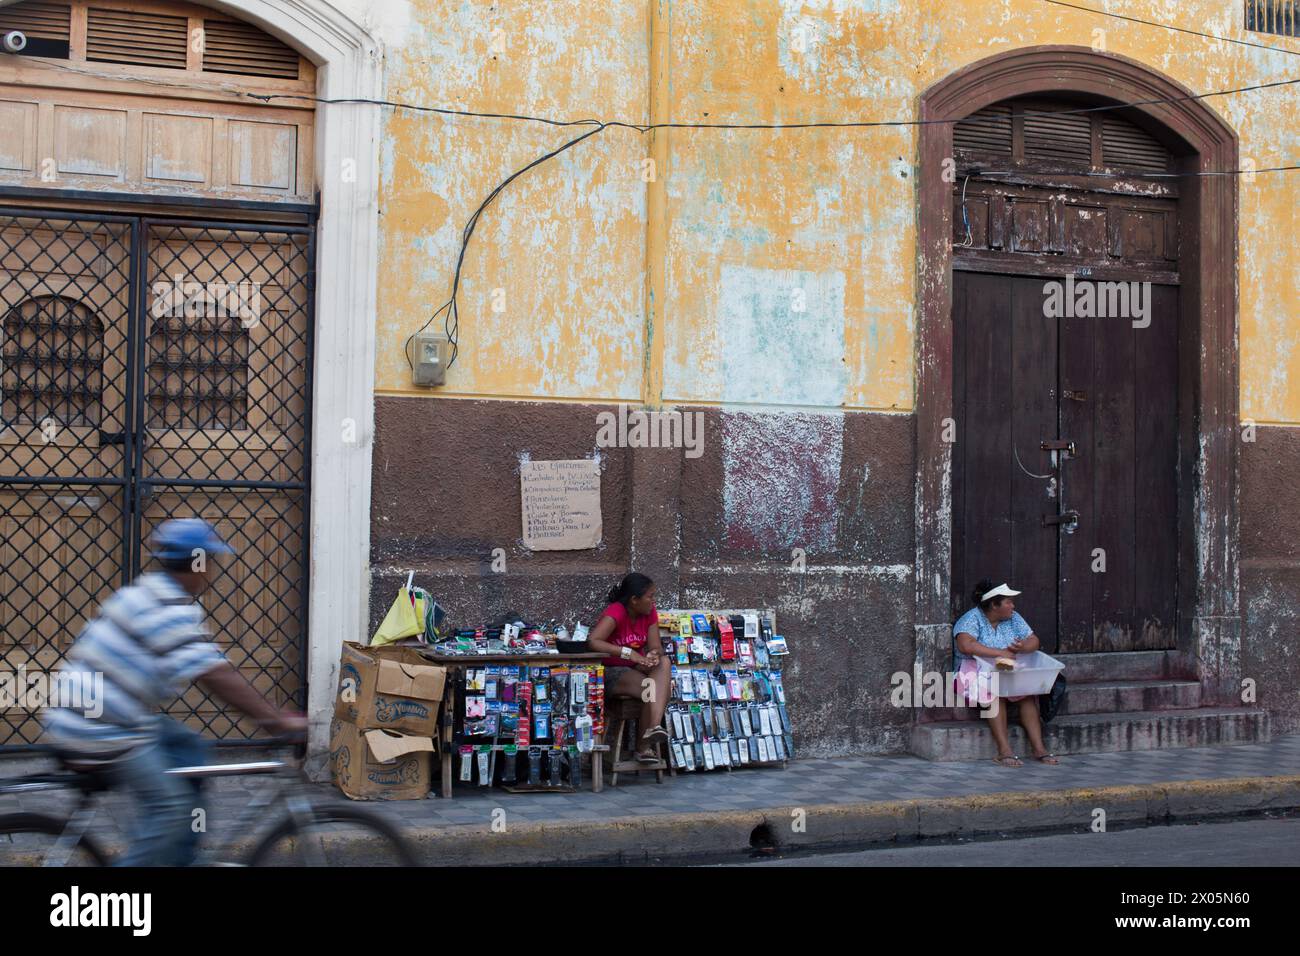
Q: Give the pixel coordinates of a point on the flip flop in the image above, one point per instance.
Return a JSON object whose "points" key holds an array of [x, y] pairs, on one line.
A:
{"points": [[1048, 759], [1003, 761], [655, 732], [646, 756]]}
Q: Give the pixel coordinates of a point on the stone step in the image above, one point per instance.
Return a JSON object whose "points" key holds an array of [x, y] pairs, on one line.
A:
{"points": [[1128, 696], [1098, 733], [1124, 665]]}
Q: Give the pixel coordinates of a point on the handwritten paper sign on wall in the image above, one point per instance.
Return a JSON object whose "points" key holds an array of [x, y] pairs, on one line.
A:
{"points": [[561, 502]]}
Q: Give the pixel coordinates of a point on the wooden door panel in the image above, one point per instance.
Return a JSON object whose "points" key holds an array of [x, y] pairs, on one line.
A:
{"points": [[1076, 484], [982, 503], [1032, 400], [1020, 377], [1004, 407], [1113, 505]]}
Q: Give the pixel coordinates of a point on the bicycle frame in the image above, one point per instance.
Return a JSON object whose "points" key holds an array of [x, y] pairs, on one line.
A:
{"points": [[291, 793], [296, 802], [78, 821]]}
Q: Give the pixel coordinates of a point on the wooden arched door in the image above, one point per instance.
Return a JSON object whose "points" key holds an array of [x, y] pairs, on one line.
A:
{"points": [[1066, 468]]}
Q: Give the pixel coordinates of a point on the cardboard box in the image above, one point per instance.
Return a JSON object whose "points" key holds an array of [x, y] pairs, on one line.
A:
{"points": [[389, 688], [380, 764]]}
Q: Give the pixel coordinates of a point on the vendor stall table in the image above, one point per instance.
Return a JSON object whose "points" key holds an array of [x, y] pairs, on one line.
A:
{"points": [[456, 664]]}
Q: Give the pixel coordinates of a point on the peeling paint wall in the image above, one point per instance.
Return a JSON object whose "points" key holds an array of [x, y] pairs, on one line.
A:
{"points": [[551, 294], [566, 243], [769, 273]]}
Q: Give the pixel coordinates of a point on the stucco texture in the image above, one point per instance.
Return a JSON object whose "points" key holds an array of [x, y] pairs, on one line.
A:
{"points": [[790, 254], [766, 277]]}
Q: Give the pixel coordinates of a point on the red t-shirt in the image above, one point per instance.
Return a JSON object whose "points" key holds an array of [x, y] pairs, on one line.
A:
{"points": [[628, 631]]}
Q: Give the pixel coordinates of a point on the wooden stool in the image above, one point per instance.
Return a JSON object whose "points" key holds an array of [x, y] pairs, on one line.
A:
{"points": [[622, 713]]}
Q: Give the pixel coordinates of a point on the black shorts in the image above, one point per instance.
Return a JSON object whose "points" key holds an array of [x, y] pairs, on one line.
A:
{"points": [[613, 672]]}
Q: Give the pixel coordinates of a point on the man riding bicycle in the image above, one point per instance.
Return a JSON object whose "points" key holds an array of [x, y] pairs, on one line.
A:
{"points": [[149, 640]]}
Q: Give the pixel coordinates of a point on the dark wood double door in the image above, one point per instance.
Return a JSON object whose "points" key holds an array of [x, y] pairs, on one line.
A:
{"points": [[1065, 473]]}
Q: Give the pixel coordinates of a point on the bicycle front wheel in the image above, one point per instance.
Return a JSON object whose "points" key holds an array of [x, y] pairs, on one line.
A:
{"points": [[336, 836], [28, 839]]}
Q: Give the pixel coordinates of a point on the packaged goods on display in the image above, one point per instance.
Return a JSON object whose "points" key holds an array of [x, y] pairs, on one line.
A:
{"points": [[728, 706]]}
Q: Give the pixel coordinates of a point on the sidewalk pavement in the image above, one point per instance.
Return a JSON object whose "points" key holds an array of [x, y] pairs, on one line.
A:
{"points": [[847, 802]]}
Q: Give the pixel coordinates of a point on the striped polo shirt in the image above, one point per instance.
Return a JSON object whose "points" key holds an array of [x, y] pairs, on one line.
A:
{"points": [[148, 642]]}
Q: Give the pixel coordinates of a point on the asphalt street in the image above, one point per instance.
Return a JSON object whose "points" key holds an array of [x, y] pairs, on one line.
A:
{"points": [[1255, 842]]}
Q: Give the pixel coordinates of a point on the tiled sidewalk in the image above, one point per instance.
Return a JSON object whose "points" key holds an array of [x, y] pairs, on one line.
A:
{"points": [[859, 780], [812, 782]]}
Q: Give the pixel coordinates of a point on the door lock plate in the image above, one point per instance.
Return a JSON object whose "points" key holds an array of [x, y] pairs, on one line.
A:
{"points": [[1068, 520]]}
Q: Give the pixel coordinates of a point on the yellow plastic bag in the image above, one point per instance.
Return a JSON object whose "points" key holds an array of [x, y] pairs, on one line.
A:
{"points": [[403, 619]]}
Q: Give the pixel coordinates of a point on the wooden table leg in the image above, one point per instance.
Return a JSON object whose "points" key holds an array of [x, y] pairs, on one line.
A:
{"points": [[448, 725], [597, 771]]}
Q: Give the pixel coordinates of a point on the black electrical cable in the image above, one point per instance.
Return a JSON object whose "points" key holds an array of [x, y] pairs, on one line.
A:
{"points": [[450, 308], [828, 124], [451, 321], [451, 311]]}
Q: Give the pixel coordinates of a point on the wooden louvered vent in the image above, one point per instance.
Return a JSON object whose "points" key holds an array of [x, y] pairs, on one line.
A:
{"points": [[166, 36], [230, 46], [1126, 145], [44, 21], [1279, 17], [1056, 136], [988, 131], [47, 26], [142, 39]]}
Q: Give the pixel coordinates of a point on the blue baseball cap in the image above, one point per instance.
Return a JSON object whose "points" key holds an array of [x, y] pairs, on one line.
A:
{"points": [[178, 538]]}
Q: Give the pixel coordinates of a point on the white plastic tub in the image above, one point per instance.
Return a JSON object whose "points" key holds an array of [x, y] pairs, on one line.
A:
{"points": [[1035, 673]]}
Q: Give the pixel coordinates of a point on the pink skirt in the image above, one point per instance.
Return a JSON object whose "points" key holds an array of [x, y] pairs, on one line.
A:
{"points": [[974, 686]]}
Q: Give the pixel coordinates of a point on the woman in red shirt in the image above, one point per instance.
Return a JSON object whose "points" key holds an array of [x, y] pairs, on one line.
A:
{"points": [[628, 631]]}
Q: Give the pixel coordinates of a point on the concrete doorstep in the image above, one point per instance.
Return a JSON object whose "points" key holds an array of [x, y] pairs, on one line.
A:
{"points": [[686, 837]]}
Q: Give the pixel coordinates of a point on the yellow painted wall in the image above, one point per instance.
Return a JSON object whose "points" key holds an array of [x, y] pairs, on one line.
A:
{"points": [[755, 224]]}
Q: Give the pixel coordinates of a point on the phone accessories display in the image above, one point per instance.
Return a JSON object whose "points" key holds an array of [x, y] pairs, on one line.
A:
{"points": [[525, 727], [727, 706]]}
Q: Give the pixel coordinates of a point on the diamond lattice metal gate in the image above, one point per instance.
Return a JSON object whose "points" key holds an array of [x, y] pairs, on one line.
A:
{"points": [[153, 368]]}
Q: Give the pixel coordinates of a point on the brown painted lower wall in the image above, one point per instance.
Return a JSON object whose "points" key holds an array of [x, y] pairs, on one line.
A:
{"points": [[721, 529], [1270, 572]]}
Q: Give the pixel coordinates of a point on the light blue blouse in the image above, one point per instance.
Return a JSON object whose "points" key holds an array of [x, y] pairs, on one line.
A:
{"points": [[974, 622]]}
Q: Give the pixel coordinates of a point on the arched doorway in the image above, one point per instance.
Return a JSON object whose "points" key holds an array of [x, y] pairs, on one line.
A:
{"points": [[1202, 313], [342, 155]]}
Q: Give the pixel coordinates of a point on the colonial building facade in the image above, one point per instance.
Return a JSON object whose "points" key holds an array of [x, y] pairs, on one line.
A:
{"points": [[989, 291]]}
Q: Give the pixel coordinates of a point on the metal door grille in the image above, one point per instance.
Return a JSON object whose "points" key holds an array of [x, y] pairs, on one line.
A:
{"points": [[154, 368], [1280, 17]]}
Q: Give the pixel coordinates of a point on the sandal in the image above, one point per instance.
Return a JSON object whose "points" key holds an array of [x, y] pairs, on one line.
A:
{"points": [[1047, 758], [654, 733], [1008, 760], [647, 756]]}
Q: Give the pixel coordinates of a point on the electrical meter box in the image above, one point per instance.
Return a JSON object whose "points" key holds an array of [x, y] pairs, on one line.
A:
{"points": [[429, 354]]}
